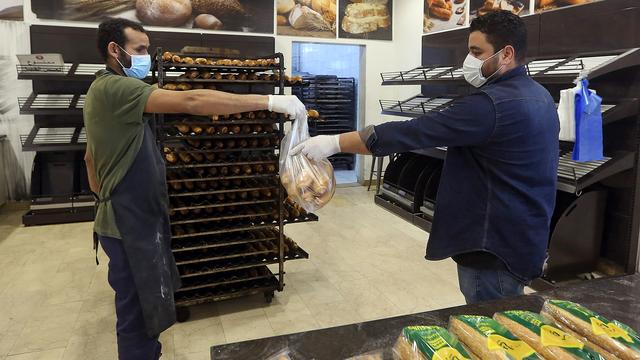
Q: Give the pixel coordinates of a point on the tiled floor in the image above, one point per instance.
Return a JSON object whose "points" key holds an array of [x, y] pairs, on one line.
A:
{"points": [[365, 264]]}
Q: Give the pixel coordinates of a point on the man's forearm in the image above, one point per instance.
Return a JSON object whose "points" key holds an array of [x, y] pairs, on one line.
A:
{"points": [[353, 143], [208, 102]]}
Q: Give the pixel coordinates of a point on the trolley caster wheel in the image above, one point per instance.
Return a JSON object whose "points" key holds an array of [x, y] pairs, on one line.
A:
{"points": [[182, 313], [268, 297]]}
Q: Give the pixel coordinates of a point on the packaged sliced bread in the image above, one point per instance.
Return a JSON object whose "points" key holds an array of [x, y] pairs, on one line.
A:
{"points": [[545, 338], [427, 343], [612, 336], [486, 339]]}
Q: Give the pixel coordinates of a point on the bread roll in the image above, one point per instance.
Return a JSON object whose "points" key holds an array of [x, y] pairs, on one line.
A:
{"points": [[219, 8], [170, 86], [282, 20], [207, 21], [614, 337], [171, 13], [167, 56], [284, 6], [546, 339]]}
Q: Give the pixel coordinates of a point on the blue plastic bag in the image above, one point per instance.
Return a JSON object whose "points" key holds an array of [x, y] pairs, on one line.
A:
{"points": [[588, 145]]}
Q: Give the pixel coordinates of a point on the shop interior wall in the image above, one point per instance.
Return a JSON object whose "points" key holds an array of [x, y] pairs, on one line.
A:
{"points": [[380, 56]]}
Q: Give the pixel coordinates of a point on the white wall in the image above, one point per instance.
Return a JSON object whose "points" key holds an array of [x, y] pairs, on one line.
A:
{"points": [[403, 53]]}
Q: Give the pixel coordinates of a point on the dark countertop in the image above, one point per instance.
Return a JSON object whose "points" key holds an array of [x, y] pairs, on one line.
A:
{"points": [[614, 298]]}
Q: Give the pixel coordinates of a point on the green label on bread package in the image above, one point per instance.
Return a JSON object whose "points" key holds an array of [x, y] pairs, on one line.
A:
{"points": [[499, 338], [435, 342], [599, 324], [551, 335]]}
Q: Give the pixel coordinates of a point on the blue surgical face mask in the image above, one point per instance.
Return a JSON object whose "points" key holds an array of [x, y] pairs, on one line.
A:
{"points": [[140, 65]]}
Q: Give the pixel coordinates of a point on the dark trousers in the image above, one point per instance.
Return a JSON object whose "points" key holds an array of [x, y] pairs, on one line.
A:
{"points": [[479, 285], [133, 341]]}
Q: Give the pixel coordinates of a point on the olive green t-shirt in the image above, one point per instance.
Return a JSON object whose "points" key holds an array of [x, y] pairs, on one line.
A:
{"points": [[113, 119]]}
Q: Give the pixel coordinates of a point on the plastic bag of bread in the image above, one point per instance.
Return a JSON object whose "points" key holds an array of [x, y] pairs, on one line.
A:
{"points": [[611, 338], [486, 339], [427, 343], [309, 183], [544, 337]]}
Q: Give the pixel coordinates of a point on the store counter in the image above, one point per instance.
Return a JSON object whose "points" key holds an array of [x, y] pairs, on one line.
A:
{"points": [[614, 298]]}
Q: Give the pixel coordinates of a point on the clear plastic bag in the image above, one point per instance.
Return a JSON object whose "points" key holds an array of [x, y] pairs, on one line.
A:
{"points": [[309, 183]]}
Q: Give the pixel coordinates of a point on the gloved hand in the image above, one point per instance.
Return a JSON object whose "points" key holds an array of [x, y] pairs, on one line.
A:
{"points": [[318, 147], [287, 104]]}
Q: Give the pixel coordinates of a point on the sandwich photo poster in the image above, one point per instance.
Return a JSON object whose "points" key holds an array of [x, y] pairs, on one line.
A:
{"points": [[440, 15], [543, 5], [481, 7], [12, 10], [368, 19], [251, 16], [310, 18]]}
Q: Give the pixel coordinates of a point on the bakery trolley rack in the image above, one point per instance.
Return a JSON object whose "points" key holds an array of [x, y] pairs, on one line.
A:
{"points": [[227, 207]]}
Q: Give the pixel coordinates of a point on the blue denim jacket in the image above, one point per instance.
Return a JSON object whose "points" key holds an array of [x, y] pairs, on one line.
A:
{"points": [[498, 187]]}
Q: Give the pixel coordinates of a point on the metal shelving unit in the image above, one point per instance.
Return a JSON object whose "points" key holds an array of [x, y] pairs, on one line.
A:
{"points": [[335, 99], [580, 215], [228, 208], [59, 189]]}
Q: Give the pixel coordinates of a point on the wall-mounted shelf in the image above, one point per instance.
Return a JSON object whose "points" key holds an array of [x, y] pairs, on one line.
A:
{"points": [[417, 105], [43, 138], [52, 104]]}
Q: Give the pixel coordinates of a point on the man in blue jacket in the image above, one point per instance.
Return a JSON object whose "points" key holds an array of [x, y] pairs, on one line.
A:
{"points": [[498, 185]]}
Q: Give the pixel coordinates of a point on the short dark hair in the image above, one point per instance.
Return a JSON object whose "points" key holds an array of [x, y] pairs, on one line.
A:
{"points": [[503, 28], [113, 30]]}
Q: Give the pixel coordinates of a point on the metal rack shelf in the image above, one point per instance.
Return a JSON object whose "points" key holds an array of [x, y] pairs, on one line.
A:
{"points": [[417, 105], [255, 176], [208, 165], [45, 138], [574, 176], [222, 191], [52, 104], [215, 283], [66, 72], [270, 285], [545, 70], [222, 244]]}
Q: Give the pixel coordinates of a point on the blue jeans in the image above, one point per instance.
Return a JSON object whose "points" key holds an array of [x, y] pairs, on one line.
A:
{"points": [[133, 341], [486, 285]]}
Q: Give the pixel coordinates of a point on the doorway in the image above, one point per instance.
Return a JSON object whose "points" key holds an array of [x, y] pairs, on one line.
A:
{"points": [[335, 73]]}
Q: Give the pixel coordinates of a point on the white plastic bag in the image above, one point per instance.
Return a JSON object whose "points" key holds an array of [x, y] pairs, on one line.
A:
{"points": [[567, 114], [309, 183]]}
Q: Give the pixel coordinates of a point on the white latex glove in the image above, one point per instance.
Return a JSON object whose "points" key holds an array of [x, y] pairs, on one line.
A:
{"points": [[318, 147], [288, 104]]}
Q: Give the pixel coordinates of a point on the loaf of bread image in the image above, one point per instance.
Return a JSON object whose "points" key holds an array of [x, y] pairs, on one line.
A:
{"points": [[486, 339], [615, 338], [427, 343], [545, 338]]}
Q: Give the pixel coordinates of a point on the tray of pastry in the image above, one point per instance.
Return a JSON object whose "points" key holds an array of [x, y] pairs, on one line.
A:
{"points": [[224, 186], [181, 60], [233, 277], [417, 105], [256, 210], [187, 178], [227, 291], [252, 117], [227, 228], [209, 242], [266, 249]]}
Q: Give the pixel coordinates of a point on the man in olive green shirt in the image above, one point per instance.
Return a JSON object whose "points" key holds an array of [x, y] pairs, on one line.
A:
{"points": [[127, 173]]}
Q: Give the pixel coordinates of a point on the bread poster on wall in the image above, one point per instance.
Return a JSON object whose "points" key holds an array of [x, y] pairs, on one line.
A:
{"points": [[442, 15], [481, 7], [366, 19], [11, 10], [253, 16], [311, 18], [542, 5]]}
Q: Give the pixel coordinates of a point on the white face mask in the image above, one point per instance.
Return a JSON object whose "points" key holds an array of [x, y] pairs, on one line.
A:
{"points": [[472, 69]]}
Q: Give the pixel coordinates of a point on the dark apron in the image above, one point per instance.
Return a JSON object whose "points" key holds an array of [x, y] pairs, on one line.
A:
{"points": [[141, 207]]}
